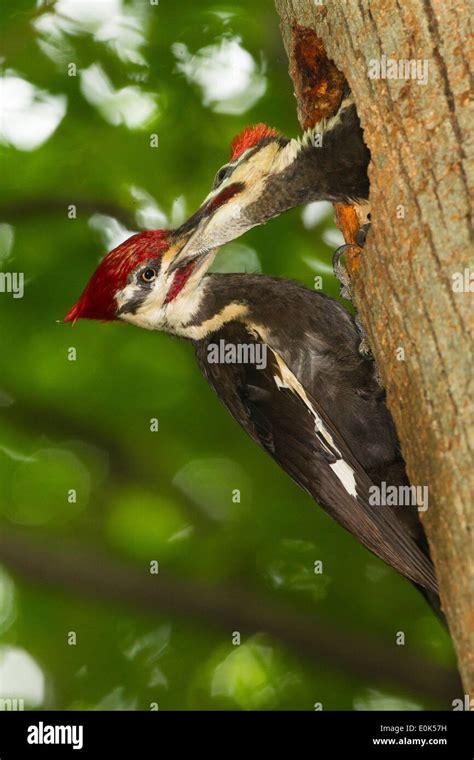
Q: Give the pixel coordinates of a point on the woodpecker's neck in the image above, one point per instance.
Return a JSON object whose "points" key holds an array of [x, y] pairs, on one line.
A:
{"points": [[329, 162], [269, 304]]}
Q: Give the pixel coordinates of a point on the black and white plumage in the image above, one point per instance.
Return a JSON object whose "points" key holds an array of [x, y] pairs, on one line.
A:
{"points": [[314, 404], [316, 408]]}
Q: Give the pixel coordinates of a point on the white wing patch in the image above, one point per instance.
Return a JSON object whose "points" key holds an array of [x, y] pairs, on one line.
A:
{"points": [[345, 473], [340, 468]]}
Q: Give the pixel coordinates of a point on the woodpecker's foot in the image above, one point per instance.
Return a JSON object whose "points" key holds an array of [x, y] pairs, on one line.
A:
{"points": [[364, 348], [340, 271]]}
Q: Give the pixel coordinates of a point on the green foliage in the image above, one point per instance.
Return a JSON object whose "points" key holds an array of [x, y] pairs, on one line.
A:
{"points": [[81, 420]]}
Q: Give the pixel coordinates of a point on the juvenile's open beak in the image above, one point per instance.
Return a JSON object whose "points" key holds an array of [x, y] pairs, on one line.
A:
{"points": [[186, 251], [197, 230], [183, 252], [184, 258]]}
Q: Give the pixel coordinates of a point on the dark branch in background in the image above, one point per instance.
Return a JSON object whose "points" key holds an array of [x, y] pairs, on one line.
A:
{"points": [[45, 420], [59, 206], [71, 569]]}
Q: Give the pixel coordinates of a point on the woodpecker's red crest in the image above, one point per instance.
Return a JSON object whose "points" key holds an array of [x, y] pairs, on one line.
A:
{"points": [[98, 298], [249, 138]]}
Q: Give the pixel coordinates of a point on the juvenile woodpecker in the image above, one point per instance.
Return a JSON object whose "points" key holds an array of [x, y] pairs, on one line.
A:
{"points": [[268, 174], [313, 403]]}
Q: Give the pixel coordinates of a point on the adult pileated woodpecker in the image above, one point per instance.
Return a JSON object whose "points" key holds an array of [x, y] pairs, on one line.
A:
{"points": [[314, 404], [269, 174]]}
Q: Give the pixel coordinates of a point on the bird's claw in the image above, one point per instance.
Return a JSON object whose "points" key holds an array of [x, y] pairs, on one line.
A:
{"points": [[340, 271], [364, 347]]}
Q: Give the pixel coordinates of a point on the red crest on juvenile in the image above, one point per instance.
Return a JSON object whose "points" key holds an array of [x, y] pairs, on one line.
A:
{"points": [[97, 300], [249, 138]]}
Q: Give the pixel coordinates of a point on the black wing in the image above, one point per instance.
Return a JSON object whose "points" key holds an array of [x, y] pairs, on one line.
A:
{"points": [[296, 431]]}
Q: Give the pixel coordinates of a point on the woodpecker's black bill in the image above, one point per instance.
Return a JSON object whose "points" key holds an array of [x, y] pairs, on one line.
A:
{"points": [[209, 207]]}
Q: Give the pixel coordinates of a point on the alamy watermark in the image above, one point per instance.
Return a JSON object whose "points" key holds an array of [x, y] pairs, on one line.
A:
{"points": [[237, 353], [43, 733], [463, 282], [399, 68], [12, 282], [463, 704], [11, 704], [399, 496]]}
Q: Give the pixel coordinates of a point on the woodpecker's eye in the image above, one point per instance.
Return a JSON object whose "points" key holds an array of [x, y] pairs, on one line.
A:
{"points": [[222, 174], [149, 275]]}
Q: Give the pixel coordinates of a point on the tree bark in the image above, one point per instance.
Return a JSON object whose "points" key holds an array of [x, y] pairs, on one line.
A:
{"points": [[411, 282]]}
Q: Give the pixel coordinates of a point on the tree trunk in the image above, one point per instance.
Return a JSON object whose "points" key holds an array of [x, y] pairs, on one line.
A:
{"points": [[411, 284]]}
